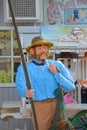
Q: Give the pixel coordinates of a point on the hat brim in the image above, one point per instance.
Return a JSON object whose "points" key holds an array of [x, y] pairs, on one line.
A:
{"points": [[49, 44]]}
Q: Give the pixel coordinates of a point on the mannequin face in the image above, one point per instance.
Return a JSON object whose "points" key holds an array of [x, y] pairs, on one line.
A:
{"points": [[51, 1], [40, 52]]}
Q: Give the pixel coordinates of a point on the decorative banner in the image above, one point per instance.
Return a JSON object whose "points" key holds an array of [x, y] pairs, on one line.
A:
{"points": [[71, 36], [56, 11]]}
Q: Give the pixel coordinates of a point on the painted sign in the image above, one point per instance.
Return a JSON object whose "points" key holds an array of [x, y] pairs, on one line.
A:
{"points": [[54, 11], [75, 16], [63, 35]]}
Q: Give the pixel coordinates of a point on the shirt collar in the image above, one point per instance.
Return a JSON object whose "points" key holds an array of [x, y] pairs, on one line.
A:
{"points": [[36, 62]]}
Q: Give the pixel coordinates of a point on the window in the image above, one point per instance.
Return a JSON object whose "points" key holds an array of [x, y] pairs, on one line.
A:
{"points": [[9, 56]]}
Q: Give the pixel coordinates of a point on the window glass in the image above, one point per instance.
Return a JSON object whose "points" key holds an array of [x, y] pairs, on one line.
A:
{"points": [[15, 45], [5, 43], [5, 70], [16, 56], [17, 62]]}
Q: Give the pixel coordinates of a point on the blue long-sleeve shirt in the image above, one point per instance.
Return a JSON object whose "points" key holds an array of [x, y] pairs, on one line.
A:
{"points": [[42, 80]]}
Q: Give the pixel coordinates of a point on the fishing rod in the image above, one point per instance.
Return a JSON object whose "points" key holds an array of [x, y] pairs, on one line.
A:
{"points": [[23, 62]]}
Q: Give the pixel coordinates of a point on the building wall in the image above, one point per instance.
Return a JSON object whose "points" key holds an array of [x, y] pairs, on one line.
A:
{"points": [[1, 13], [10, 94]]}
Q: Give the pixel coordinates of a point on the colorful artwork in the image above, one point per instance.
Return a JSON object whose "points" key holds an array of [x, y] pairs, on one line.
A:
{"points": [[75, 16], [52, 14], [57, 12]]}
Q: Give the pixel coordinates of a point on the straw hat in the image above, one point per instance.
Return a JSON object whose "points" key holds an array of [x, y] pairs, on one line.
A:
{"points": [[39, 40]]}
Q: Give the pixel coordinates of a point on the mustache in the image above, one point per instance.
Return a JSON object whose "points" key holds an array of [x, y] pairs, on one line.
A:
{"points": [[38, 55]]}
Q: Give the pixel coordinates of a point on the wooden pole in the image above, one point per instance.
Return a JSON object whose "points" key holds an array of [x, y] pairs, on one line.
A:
{"points": [[23, 62]]}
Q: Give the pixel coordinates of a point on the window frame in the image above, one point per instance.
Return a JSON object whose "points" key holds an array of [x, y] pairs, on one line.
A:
{"points": [[11, 56]]}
